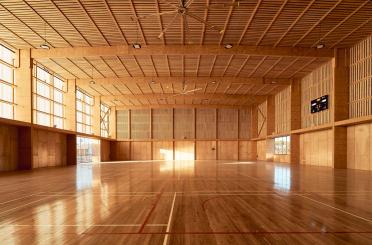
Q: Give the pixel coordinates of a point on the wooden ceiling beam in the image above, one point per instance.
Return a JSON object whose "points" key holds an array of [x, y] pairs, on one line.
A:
{"points": [[185, 106], [179, 50], [209, 96], [189, 80]]}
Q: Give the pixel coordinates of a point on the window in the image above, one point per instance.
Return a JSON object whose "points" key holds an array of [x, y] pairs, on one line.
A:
{"points": [[48, 98], [282, 145], [84, 103], [105, 119], [88, 150], [6, 83]]}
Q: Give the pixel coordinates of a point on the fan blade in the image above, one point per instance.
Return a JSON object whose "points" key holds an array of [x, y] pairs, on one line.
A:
{"points": [[168, 3], [193, 90], [219, 6], [212, 27], [155, 14], [167, 27], [188, 33], [189, 3]]}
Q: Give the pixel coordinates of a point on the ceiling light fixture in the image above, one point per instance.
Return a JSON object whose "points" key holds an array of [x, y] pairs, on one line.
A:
{"points": [[153, 82], [320, 45], [136, 45], [45, 44], [213, 82], [228, 46], [92, 82]]}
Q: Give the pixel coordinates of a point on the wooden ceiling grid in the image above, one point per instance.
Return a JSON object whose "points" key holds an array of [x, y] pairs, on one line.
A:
{"points": [[281, 23]]}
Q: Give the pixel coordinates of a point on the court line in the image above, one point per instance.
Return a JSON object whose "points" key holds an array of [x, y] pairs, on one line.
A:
{"points": [[66, 225], [151, 211], [341, 210], [228, 232], [165, 242]]}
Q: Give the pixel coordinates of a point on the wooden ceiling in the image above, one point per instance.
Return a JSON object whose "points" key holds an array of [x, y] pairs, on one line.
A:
{"points": [[221, 75]]}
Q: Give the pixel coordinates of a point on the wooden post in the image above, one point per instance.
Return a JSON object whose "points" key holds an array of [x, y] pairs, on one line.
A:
{"points": [[295, 120], [71, 149], [25, 158], [340, 106]]}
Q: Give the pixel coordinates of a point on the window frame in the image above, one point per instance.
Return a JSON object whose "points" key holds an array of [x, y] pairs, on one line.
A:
{"points": [[282, 145], [11, 84], [51, 88], [83, 112]]}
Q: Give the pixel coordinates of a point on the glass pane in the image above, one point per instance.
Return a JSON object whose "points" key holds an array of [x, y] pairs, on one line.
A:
{"points": [[43, 89], [79, 128], [6, 73], [6, 92], [43, 105], [79, 95], [43, 119], [58, 83], [87, 109], [58, 110], [87, 119], [79, 105], [6, 55], [42, 75], [58, 96], [6, 110], [79, 117], [58, 122]]}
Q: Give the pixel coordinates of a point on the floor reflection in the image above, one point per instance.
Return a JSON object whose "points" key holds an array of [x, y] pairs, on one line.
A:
{"points": [[282, 177]]}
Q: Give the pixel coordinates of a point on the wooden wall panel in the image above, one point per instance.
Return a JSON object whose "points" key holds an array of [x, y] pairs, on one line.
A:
{"points": [[140, 151], [105, 150], [316, 148], [140, 122], [316, 84], [120, 151], [162, 123], [122, 124], [359, 149], [261, 150], [184, 124], [206, 150], [283, 111], [8, 148], [262, 120], [228, 124], [184, 150], [206, 123], [49, 149], [162, 150], [245, 123], [360, 93], [247, 150], [228, 150]]}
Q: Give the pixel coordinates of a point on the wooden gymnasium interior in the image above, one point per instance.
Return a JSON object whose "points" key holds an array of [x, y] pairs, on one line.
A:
{"points": [[185, 122]]}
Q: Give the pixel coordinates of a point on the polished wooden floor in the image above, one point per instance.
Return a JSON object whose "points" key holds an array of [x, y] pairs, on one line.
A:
{"points": [[186, 202]]}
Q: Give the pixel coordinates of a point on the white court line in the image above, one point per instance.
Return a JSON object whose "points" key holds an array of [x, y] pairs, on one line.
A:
{"points": [[338, 209], [66, 225], [18, 198], [165, 242]]}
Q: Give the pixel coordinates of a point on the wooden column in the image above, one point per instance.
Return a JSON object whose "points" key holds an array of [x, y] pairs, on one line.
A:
{"points": [[71, 149], [295, 120], [270, 115], [25, 160], [340, 106]]}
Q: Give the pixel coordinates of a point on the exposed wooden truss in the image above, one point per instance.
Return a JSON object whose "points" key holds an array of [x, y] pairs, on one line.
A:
{"points": [[179, 50]]}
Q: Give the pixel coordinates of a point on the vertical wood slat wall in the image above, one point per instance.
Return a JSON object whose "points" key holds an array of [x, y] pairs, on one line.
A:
{"points": [[283, 111], [209, 124], [361, 79], [314, 85]]}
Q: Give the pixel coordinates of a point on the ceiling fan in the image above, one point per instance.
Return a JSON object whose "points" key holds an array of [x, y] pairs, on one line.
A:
{"points": [[184, 90], [182, 9]]}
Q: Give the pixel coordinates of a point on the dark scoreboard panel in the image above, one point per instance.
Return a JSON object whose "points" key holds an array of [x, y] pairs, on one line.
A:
{"points": [[319, 104]]}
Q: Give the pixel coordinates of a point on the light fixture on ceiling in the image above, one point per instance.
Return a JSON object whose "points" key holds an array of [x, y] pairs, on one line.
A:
{"points": [[92, 81], [228, 46], [320, 45], [136, 45], [116, 100], [153, 82], [213, 82], [273, 82], [45, 44]]}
